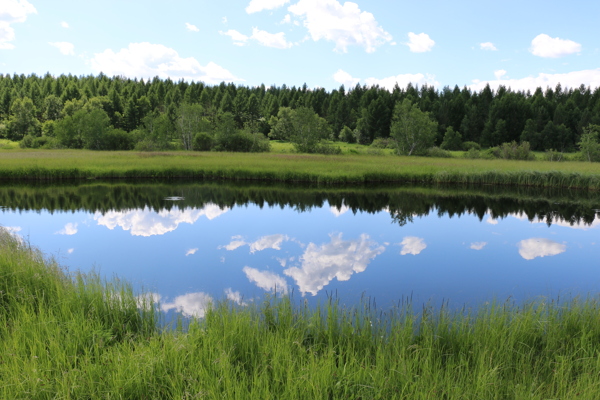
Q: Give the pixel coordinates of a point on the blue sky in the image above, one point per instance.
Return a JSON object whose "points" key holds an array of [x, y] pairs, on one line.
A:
{"points": [[323, 43]]}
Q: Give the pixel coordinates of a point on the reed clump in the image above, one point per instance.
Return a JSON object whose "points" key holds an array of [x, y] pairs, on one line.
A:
{"points": [[78, 337]]}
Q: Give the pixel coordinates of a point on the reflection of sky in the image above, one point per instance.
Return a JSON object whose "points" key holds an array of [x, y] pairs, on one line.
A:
{"points": [[146, 222], [248, 251]]}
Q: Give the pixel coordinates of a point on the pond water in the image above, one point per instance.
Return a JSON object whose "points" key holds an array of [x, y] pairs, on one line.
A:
{"points": [[191, 244]]}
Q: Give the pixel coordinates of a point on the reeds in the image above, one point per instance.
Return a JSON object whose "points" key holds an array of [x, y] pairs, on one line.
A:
{"points": [[78, 337]]}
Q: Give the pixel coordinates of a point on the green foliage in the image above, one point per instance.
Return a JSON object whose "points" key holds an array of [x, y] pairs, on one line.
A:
{"points": [[118, 139], [452, 140], [22, 120], [384, 143], [554, 156], [347, 135], [438, 153], [513, 151], [589, 145], [466, 146], [203, 141], [413, 129]]}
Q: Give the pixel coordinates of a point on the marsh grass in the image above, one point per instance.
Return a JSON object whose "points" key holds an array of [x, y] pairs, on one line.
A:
{"points": [[56, 165], [79, 337]]}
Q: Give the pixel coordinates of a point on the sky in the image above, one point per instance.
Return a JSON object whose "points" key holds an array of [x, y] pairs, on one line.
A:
{"points": [[324, 43]]}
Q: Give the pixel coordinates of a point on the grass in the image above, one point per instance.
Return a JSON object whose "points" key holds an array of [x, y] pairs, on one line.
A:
{"points": [[54, 165], [74, 336]]}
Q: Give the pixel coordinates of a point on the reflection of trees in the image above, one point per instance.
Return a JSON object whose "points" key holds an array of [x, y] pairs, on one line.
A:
{"points": [[403, 202]]}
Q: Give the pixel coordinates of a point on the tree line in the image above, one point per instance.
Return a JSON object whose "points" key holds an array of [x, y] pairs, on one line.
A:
{"points": [[116, 113]]}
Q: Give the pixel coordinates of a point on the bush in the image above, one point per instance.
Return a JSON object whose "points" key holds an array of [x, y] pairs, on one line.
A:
{"points": [[118, 139], [384, 143], [553, 155], [471, 145], [346, 135], [26, 142], [437, 152], [513, 151], [324, 148], [203, 141], [243, 141]]}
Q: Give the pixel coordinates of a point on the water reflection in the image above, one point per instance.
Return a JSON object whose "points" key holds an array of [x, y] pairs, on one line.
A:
{"points": [[339, 259], [189, 304], [477, 245], [540, 247], [69, 229], [146, 222], [412, 245], [266, 242], [266, 280]]}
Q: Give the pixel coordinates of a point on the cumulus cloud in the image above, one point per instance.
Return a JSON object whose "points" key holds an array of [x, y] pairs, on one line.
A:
{"points": [[236, 297], [69, 229], [12, 11], [144, 300], [574, 79], [238, 38], [478, 245], [191, 28], [345, 78], [64, 24], [191, 252], [487, 46], [65, 48], [491, 221], [339, 259], [412, 245], [500, 73], [70, 251], [345, 25], [266, 280], [146, 222], [339, 211], [13, 229], [276, 40], [539, 247], [545, 46], [190, 304], [403, 80], [263, 243], [419, 43], [259, 5], [147, 60]]}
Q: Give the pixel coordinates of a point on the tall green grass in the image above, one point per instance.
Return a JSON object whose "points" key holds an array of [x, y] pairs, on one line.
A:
{"points": [[55, 165], [77, 337]]}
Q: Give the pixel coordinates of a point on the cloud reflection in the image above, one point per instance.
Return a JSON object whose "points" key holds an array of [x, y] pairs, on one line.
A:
{"points": [[191, 252], [339, 211], [338, 259], [265, 242], [69, 229], [145, 222], [266, 280], [478, 245], [539, 247], [236, 297], [412, 245], [190, 304]]}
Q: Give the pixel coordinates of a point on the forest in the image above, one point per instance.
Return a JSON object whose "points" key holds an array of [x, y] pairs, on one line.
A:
{"points": [[116, 113]]}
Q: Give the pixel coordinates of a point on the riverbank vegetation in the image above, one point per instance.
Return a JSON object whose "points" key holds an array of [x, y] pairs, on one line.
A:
{"points": [[104, 113], [72, 336]]}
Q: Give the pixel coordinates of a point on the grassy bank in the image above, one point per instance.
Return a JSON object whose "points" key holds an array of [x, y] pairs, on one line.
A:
{"points": [[77, 337], [284, 167]]}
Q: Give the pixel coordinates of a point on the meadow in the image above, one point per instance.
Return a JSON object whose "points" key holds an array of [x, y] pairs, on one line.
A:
{"points": [[70, 335], [357, 164]]}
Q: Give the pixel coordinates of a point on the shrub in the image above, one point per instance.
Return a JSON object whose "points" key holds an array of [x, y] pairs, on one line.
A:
{"points": [[437, 152], [324, 148], [513, 151], [243, 141], [118, 139], [452, 140], [26, 142], [346, 135], [384, 143], [203, 141], [553, 155], [471, 145]]}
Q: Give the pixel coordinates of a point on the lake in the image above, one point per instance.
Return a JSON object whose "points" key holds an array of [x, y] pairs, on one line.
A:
{"points": [[193, 243]]}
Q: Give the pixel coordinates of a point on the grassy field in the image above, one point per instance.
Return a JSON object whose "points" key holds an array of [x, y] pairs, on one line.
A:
{"points": [[282, 165], [74, 336]]}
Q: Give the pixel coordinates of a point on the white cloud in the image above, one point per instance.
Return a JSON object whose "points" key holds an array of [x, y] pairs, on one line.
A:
{"points": [[238, 38], [12, 11], [144, 300], [499, 74], [419, 43], [345, 78], [266, 280], [191, 28], [65, 48], [491, 221], [545, 46], [64, 24], [487, 46], [478, 245], [574, 79], [147, 60], [412, 245], [236, 297], [345, 25], [191, 252], [224, 20], [403, 80], [69, 229], [276, 40], [145, 222], [539, 247], [190, 304], [259, 5], [339, 211], [13, 229], [338, 259], [70, 251], [234, 244], [287, 19], [268, 242]]}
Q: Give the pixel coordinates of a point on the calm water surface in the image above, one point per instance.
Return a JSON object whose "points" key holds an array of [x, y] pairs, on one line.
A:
{"points": [[192, 244]]}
